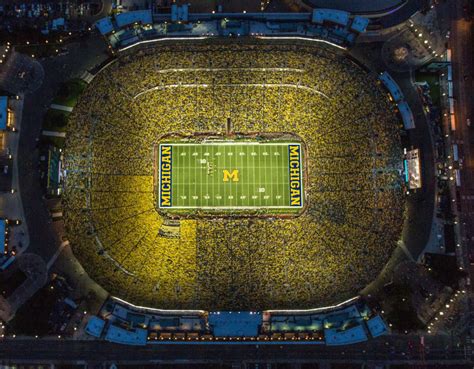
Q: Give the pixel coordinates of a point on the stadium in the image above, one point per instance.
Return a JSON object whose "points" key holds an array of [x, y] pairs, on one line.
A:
{"points": [[179, 192]]}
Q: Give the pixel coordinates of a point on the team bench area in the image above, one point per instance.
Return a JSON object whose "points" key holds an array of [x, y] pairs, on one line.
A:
{"points": [[241, 177]]}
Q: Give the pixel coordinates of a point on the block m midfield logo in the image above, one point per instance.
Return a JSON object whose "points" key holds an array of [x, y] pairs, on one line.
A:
{"points": [[234, 175]]}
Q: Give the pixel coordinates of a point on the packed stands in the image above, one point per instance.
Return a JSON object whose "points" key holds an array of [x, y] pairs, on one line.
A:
{"points": [[354, 161]]}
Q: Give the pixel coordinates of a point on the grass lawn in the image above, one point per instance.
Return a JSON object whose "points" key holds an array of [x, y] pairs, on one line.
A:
{"points": [[230, 175], [58, 142], [55, 120], [69, 92]]}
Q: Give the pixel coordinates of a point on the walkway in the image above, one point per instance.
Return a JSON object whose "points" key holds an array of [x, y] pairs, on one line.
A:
{"points": [[11, 203], [358, 6], [391, 349], [54, 134], [61, 107]]}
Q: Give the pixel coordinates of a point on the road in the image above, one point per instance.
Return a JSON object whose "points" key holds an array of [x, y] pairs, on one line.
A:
{"points": [[462, 60], [387, 349], [44, 240]]}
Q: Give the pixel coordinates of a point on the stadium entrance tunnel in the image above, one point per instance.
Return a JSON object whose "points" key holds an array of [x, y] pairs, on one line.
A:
{"points": [[233, 175]]}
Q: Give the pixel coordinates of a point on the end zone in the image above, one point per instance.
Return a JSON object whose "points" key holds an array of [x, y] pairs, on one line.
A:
{"points": [[165, 184]]}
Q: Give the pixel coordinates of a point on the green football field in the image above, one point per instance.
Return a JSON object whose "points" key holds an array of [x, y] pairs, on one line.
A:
{"points": [[230, 175]]}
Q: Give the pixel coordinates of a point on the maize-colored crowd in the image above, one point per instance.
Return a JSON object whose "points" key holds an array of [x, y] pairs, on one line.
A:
{"points": [[354, 189]]}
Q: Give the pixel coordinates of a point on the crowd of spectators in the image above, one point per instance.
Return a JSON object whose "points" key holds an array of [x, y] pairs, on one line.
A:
{"points": [[354, 187]]}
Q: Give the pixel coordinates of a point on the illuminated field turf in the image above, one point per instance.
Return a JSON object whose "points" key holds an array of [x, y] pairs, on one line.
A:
{"points": [[230, 175]]}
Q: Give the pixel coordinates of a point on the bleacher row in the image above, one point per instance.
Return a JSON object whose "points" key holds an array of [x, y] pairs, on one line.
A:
{"points": [[347, 323]]}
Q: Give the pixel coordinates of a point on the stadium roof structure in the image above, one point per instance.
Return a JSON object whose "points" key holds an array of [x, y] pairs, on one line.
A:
{"points": [[3, 112], [135, 336], [359, 24], [407, 115], [391, 86], [57, 22], [104, 25], [377, 326], [348, 336], [95, 326], [235, 324], [179, 13], [142, 16], [331, 15]]}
